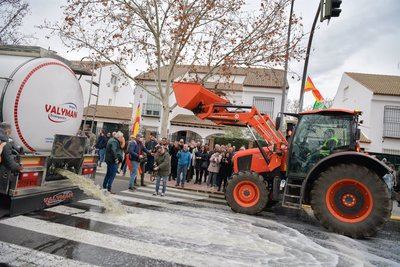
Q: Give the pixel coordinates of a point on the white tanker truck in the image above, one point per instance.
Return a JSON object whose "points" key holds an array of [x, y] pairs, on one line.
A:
{"points": [[42, 100]]}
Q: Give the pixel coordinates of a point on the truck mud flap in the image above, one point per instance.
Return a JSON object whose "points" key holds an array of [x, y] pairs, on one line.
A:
{"points": [[27, 203]]}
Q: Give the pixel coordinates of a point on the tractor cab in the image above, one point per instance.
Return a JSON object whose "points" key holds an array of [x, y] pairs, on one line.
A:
{"points": [[319, 134]]}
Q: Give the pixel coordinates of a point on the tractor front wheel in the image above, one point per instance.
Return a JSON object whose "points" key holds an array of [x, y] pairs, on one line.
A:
{"points": [[247, 193], [352, 200]]}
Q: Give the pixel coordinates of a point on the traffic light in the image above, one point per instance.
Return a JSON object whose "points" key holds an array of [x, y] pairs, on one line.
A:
{"points": [[330, 8]]}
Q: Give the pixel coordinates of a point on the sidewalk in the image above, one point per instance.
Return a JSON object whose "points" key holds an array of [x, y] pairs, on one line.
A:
{"points": [[188, 186]]}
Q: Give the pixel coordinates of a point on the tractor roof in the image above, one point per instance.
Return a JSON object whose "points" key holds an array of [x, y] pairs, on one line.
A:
{"points": [[332, 111]]}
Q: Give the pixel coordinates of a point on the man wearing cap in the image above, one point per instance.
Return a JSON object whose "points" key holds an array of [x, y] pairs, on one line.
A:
{"points": [[162, 168], [135, 151]]}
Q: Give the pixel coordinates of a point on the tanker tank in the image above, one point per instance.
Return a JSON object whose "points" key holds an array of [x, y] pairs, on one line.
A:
{"points": [[40, 97]]}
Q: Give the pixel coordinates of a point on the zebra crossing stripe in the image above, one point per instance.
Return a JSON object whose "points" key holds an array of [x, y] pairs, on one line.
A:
{"points": [[167, 206], [169, 192], [14, 255], [187, 191], [155, 251], [180, 194], [198, 202], [142, 220], [178, 190], [170, 196], [166, 197]]}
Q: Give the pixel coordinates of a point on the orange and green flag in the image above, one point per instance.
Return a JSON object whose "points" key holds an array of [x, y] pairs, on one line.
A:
{"points": [[136, 120], [319, 99]]}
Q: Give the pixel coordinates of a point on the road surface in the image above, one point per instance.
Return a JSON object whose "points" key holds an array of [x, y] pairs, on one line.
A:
{"points": [[183, 228]]}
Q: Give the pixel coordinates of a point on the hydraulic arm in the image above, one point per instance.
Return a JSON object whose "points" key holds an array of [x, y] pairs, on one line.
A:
{"points": [[208, 105]]}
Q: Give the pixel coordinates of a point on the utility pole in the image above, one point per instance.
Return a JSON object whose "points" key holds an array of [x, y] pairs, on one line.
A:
{"points": [[310, 39], [284, 83], [328, 10]]}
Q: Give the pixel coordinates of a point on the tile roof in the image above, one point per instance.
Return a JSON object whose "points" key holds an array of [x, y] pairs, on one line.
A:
{"points": [[257, 77], [377, 83], [110, 112], [192, 120]]}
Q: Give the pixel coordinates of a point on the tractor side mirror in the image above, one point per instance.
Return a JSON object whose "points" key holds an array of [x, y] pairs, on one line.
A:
{"points": [[358, 134], [278, 121]]}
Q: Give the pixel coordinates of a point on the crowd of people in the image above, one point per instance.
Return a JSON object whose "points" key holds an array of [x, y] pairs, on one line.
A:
{"points": [[164, 160]]}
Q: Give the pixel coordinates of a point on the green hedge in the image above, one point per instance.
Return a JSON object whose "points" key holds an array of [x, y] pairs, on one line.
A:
{"points": [[237, 142]]}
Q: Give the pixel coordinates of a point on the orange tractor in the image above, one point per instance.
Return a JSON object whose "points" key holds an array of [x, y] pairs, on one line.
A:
{"points": [[350, 192]]}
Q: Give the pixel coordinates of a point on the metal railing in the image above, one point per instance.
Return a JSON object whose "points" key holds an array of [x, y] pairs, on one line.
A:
{"points": [[151, 110]]}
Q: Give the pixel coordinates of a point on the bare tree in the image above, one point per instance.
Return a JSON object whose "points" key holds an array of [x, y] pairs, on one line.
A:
{"points": [[218, 34], [12, 13], [293, 105]]}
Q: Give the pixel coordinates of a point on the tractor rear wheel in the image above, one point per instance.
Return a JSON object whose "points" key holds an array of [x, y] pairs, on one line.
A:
{"points": [[247, 193], [352, 200]]}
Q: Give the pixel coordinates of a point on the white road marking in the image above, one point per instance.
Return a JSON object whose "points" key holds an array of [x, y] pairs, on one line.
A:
{"points": [[155, 251], [178, 190], [177, 194], [21, 256], [166, 197], [205, 208], [155, 200]]}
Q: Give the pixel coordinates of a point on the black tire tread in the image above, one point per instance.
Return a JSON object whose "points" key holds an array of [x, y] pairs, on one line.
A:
{"points": [[381, 195]]}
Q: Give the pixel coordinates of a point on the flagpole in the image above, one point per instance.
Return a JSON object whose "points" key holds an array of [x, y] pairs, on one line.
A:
{"points": [[303, 81], [284, 84]]}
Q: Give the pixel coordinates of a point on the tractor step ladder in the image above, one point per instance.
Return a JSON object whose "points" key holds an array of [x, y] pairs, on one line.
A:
{"points": [[292, 194]]}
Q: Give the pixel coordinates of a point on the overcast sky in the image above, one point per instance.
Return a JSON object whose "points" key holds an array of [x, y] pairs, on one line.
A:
{"points": [[365, 38]]}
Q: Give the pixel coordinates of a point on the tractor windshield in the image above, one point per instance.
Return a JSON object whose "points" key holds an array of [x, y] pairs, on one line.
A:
{"points": [[317, 136]]}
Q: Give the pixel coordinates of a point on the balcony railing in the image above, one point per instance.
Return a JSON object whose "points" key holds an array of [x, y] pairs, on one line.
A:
{"points": [[151, 110]]}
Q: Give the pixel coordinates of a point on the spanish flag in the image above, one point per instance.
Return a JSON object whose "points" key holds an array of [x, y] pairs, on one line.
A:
{"points": [[319, 100], [136, 121]]}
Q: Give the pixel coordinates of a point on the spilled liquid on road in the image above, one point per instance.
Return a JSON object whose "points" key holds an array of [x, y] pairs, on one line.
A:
{"points": [[91, 189]]}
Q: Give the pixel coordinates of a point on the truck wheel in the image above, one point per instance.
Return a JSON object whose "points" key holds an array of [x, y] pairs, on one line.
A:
{"points": [[350, 199], [247, 193]]}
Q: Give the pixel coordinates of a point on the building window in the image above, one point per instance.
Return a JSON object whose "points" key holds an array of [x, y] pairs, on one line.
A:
{"points": [[391, 151], [152, 107], [391, 122], [114, 79], [110, 101], [264, 105]]}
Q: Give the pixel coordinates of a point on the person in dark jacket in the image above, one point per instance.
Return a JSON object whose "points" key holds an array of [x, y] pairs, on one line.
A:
{"points": [[113, 156], [8, 163], [136, 151], [162, 168], [225, 170], [201, 164], [150, 146], [205, 162], [101, 146], [124, 164], [174, 149]]}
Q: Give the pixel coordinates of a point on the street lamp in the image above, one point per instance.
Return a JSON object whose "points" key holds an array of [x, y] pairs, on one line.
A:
{"points": [[284, 83]]}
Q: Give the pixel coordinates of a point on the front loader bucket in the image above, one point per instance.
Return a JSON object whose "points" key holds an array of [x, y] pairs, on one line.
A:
{"points": [[191, 95]]}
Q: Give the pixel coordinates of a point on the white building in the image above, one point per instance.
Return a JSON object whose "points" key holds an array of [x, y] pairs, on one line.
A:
{"points": [[115, 89], [243, 86], [115, 96], [378, 97]]}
